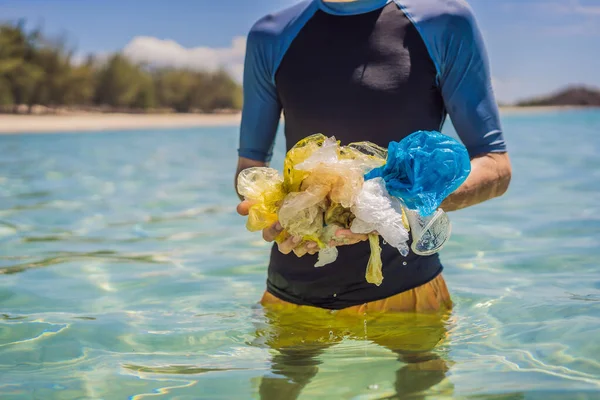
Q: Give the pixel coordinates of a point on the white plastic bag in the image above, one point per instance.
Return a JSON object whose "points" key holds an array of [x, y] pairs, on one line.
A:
{"points": [[376, 210]]}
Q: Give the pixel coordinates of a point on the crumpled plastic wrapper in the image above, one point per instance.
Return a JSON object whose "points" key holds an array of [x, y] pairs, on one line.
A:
{"points": [[343, 175], [319, 153], [376, 211], [323, 179], [374, 272], [301, 213], [327, 255], [329, 177], [361, 186], [423, 169]]}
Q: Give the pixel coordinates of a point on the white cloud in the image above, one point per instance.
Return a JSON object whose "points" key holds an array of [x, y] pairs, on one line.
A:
{"points": [[575, 6], [168, 53], [586, 28], [560, 17], [554, 7]]}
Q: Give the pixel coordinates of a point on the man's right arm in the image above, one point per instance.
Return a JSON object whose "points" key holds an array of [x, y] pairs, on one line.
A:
{"points": [[261, 110], [260, 120]]}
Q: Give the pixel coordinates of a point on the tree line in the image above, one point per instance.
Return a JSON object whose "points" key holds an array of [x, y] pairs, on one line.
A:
{"points": [[38, 70]]}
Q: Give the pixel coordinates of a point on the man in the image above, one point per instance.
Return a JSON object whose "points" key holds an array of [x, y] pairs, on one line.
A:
{"points": [[373, 70]]}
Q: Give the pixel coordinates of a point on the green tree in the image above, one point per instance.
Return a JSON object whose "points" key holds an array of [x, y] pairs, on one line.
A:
{"points": [[35, 69], [6, 98], [146, 93], [122, 83], [18, 70], [219, 91], [174, 88], [81, 86], [52, 88]]}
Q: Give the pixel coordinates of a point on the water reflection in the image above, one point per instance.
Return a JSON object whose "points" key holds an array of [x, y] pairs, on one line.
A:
{"points": [[298, 339]]}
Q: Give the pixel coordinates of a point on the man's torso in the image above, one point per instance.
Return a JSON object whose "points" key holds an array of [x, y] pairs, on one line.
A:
{"points": [[356, 77]]}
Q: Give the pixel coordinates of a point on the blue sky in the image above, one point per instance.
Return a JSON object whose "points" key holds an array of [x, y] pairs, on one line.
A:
{"points": [[535, 46]]}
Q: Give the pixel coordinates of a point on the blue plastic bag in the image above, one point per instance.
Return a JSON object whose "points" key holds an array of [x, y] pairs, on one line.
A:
{"points": [[423, 169]]}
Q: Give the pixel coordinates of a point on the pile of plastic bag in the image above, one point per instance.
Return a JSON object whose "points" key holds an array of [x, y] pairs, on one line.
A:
{"points": [[361, 186]]}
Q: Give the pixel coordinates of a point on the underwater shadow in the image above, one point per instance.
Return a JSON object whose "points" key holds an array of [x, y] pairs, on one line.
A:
{"points": [[298, 342]]}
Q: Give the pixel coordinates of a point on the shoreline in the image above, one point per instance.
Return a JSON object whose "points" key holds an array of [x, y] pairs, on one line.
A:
{"points": [[11, 124]]}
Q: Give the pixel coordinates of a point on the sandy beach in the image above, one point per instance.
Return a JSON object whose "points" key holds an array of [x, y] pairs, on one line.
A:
{"points": [[15, 124], [90, 122]]}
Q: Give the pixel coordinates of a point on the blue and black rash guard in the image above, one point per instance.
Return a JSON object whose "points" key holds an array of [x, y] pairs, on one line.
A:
{"points": [[373, 70]]}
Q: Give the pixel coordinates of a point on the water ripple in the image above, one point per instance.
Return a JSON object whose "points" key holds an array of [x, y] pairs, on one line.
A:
{"points": [[65, 257], [126, 273]]}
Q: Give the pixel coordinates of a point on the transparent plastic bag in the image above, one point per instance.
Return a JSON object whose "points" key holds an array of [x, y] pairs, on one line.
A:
{"points": [[317, 149], [376, 210], [344, 174], [301, 213], [372, 155], [430, 233], [326, 154]]}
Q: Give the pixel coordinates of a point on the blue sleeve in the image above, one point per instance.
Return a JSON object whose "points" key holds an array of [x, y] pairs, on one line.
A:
{"points": [[266, 45], [261, 110], [455, 44]]}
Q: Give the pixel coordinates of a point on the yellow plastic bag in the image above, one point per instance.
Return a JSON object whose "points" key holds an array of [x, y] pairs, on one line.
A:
{"points": [[292, 177], [263, 187], [374, 272]]}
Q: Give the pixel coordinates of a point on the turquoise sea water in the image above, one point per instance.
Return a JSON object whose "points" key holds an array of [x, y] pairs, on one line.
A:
{"points": [[126, 273]]}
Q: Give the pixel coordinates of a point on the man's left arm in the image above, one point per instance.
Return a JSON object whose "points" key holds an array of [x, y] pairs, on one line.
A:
{"points": [[489, 178], [466, 86]]}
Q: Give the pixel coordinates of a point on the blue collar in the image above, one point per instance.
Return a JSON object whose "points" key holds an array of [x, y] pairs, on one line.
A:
{"points": [[352, 7]]}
